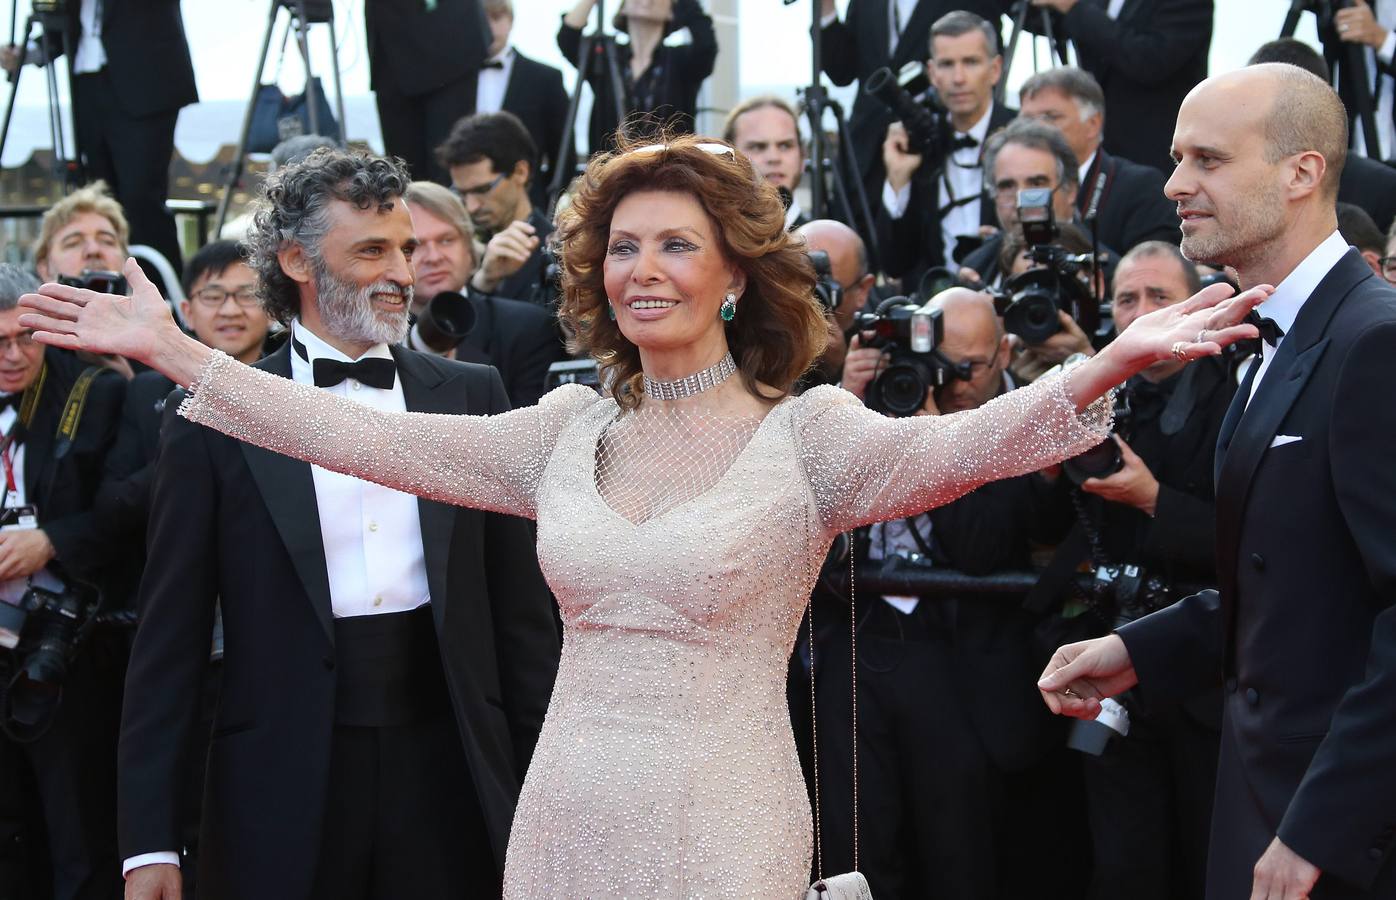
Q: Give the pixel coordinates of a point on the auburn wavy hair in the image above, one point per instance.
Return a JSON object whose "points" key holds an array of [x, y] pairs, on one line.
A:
{"points": [[780, 328]]}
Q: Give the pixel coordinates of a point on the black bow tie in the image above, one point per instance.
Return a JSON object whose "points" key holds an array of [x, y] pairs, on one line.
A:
{"points": [[492, 64], [964, 142], [11, 400], [1270, 331], [373, 371]]}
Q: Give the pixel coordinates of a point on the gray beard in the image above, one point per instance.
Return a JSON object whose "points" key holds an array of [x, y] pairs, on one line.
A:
{"points": [[346, 309]]}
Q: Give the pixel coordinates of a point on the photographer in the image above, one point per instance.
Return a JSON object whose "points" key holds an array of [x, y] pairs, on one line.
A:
{"points": [[491, 160], [1031, 360], [60, 680], [1150, 792], [844, 291], [519, 339], [933, 208], [767, 130], [951, 744]]}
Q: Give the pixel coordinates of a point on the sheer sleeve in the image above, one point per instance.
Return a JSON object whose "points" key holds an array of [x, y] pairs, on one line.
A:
{"points": [[864, 467], [486, 462]]}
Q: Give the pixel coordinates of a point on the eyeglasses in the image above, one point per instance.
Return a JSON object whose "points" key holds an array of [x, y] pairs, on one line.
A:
{"points": [[1388, 268], [480, 191], [214, 297], [24, 341]]}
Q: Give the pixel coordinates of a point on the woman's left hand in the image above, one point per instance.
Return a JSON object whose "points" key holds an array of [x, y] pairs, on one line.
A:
{"points": [[1199, 326]]}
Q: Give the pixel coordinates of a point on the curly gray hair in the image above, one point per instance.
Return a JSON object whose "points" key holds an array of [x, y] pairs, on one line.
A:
{"points": [[294, 209]]}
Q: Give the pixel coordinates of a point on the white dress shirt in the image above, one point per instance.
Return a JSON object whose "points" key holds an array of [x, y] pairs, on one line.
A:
{"points": [[898, 14], [1113, 10], [1085, 170], [90, 56], [372, 535], [13, 590], [493, 83], [963, 177], [1283, 306], [792, 213], [1382, 100]]}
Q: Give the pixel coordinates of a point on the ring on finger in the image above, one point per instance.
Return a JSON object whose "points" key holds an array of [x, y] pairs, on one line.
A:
{"points": [[1070, 692], [1201, 337], [1180, 351]]}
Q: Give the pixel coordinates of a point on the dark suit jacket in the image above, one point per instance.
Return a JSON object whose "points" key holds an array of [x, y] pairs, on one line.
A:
{"points": [[535, 94], [523, 284], [413, 49], [1304, 629], [1372, 186], [856, 46], [148, 57], [519, 339], [913, 243], [238, 523], [1131, 207], [1146, 61]]}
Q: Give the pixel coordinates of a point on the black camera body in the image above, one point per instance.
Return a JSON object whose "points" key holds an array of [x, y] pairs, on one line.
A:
{"points": [[1128, 591], [50, 625], [827, 290], [100, 280], [925, 118], [1104, 459], [1029, 302], [910, 333]]}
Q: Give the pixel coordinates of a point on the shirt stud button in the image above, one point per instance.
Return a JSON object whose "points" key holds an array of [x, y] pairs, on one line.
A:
{"points": [[377, 601], [372, 526]]}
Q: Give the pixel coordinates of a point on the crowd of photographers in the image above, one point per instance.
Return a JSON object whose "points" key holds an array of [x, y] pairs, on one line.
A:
{"points": [[998, 243]]}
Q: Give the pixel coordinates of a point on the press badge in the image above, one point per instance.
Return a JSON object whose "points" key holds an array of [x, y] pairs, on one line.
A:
{"points": [[19, 518]]}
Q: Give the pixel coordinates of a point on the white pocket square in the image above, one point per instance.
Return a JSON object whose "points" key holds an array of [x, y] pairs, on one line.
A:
{"points": [[1282, 439]]}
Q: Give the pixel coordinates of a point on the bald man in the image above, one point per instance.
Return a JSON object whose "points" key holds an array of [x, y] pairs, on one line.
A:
{"points": [[848, 265], [1302, 632]]}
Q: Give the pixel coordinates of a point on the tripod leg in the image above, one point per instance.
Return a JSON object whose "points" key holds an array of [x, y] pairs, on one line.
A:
{"points": [[239, 158], [302, 28], [338, 91], [569, 126], [14, 91], [1020, 20], [608, 50]]}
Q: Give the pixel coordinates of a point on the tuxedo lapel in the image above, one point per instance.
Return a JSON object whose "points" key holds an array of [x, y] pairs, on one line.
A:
{"points": [[426, 387], [917, 28], [288, 490]]}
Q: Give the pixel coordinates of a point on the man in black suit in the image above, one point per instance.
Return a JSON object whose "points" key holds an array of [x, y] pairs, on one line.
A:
{"points": [[1368, 183], [519, 339], [423, 61], [951, 734], [767, 130], [55, 539], [1301, 631], [131, 74], [492, 160], [877, 33], [1125, 198], [933, 212], [529, 89], [1146, 54], [387, 660]]}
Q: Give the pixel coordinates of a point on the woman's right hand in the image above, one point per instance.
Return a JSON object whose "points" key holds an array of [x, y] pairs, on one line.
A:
{"points": [[138, 327]]}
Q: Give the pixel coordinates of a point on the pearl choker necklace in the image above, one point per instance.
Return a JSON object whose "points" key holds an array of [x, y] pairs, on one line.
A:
{"points": [[691, 385]]}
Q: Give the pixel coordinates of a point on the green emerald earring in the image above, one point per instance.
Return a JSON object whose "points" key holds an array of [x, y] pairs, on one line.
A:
{"points": [[728, 311], [611, 311]]}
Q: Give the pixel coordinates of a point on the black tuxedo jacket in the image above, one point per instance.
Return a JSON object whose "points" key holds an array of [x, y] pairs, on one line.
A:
{"points": [[1372, 186], [535, 94], [519, 339], [1146, 61], [148, 57], [1130, 207], [913, 243], [239, 523], [1303, 630], [414, 49], [856, 46]]}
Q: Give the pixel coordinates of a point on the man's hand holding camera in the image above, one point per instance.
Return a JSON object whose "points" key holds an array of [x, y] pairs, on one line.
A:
{"points": [[900, 162], [1134, 485], [24, 551], [506, 253]]}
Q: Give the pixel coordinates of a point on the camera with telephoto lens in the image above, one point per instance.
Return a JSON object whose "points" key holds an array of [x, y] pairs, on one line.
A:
{"points": [[918, 107], [827, 291], [44, 631], [1029, 302], [910, 333], [100, 280], [445, 322]]}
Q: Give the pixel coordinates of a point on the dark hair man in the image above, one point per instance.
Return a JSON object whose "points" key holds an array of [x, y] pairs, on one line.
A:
{"points": [[1358, 229], [1126, 198], [767, 130], [933, 211], [126, 99], [1146, 54], [491, 160], [531, 90], [519, 339], [944, 680], [1369, 183], [54, 538], [404, 648], [1306, 496]]}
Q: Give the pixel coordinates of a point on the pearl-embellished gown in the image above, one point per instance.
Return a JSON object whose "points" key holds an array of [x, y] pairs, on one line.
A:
{"points": [[666, 766]]}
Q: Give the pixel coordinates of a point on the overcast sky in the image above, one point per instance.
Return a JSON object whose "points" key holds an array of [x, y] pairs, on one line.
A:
{"points": [[225, 36]]}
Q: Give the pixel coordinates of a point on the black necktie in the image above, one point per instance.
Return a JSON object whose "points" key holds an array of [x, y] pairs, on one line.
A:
{"points": [[1270, 331], [373, 371]]}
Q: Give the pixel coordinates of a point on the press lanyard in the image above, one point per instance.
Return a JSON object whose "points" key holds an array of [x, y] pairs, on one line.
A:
{"points": [[10, 486]]}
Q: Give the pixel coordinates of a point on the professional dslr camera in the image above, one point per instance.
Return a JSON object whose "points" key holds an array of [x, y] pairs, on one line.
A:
{"points": [[100, 280], [44, 631], [827, 291], [910, 333], [1029, 302], [916, 103], [1104, 459]]}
